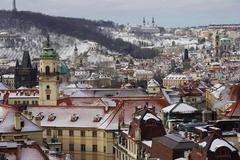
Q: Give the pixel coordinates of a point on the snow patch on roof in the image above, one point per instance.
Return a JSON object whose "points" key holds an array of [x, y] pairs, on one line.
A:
{"points": [[217, 143], [181, 108]]}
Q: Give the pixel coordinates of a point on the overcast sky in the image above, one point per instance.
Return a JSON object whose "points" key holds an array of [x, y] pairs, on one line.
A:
{"points": [[169, 13]]}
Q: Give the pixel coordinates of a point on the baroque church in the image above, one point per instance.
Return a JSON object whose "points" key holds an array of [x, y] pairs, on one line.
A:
{"points": [[25, 73]]}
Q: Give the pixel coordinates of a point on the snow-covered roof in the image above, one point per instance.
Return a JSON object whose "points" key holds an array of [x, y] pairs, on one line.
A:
{"points": [[28, 153], [7, 125], [148, 143], [3, 86], [217, 89], [150, 116], [179, 108], [177, 77], [153, 83], [217, 143], [85, 116], [8, 76]]}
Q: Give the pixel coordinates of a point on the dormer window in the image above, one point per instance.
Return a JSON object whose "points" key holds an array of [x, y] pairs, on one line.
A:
{"points": [[51, 117], [97, 118], [40, 115], [74, 117]]}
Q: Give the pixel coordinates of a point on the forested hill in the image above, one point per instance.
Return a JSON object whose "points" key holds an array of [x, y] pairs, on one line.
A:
{"points": [[80, 28]]}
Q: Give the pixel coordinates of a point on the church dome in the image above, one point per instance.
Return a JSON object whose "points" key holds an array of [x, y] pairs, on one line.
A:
{"points": [[62, 68], [48, 53]]}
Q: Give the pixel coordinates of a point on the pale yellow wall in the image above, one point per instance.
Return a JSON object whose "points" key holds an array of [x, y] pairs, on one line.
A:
{"points": [[12, 101], [88, 140], [35, 136], [153, 90]]}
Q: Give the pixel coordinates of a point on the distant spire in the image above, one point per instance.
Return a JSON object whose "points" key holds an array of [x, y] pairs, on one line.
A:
{"points": [[75, 49], [144, 21], [48, 41], [14, 6], [17, 63], [153, 21]]}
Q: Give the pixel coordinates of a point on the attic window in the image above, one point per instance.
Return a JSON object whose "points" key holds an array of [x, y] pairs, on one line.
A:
{"points": [[74, 117], [51, 117], [40, 115], [97, 118]]}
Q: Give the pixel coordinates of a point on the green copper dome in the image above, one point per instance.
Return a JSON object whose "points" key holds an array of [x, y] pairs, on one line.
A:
{"points": [[48, 53], [62, 68]]}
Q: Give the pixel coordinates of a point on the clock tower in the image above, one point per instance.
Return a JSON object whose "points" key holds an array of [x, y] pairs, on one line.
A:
{"points": [[48, 78]]}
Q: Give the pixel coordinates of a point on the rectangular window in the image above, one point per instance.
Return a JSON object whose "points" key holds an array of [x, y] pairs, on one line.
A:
{"points": [[48, 97], [104, 149], [94, 133], [83, 147], [59, 132], [71, 147], [71, 133], [94, 148], [49, 133], [82, 133]]}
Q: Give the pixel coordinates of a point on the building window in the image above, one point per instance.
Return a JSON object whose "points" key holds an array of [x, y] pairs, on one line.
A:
{"points": [[94, 133], [104, 149], [59, 132], [94, 148], [47, 70], [83, 147], [71, 133], [48, 86], [82, 133], [33, 102], [49, 133], [48, 97], [71, 147]]}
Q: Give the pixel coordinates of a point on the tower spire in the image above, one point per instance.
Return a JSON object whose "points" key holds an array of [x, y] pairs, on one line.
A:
{"points": [[153, 21], [14, 6], [144, 21]]}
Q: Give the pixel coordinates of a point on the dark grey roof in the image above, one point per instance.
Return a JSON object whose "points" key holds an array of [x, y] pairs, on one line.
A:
{"points": [[175, 141]]}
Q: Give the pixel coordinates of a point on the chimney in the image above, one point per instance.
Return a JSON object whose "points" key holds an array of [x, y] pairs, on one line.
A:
{"points": [[17, 121], [30, 115], [38, 121], [25, 113], [203, 134], [19, 151]]}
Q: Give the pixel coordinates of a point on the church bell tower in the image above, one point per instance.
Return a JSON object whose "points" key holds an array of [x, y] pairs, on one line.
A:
{"points": [[48, 78]]}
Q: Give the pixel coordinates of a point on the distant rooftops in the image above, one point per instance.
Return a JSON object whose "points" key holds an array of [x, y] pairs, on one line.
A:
{"points": [[178, 77]]}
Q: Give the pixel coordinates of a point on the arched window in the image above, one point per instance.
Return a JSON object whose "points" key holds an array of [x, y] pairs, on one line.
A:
{"points": [[47, 70]]}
